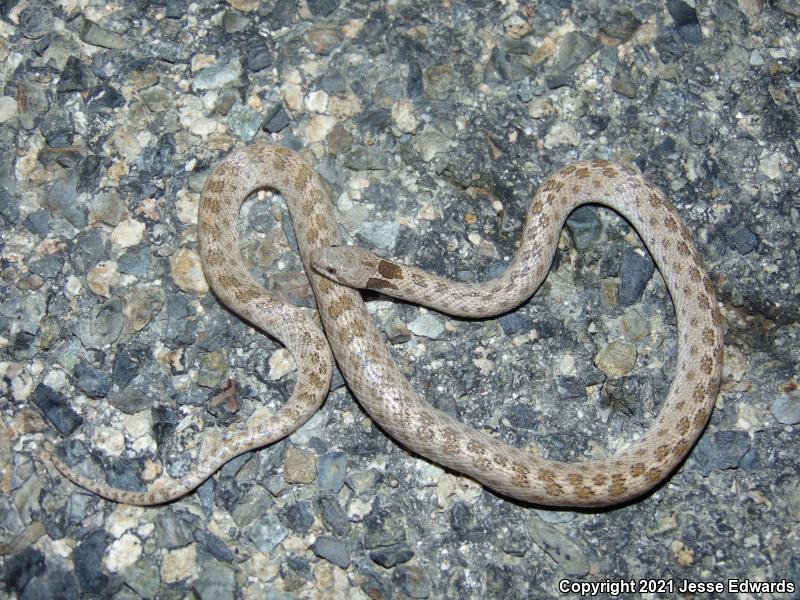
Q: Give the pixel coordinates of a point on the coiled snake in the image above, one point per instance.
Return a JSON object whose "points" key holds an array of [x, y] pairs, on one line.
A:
{"points": [[372, 374]]}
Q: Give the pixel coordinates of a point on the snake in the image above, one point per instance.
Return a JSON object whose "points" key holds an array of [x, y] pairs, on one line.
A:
{"points": [[336, 272]]}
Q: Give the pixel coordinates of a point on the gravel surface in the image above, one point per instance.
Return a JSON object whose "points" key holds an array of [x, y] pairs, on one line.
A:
{"points": [[433, 123]]}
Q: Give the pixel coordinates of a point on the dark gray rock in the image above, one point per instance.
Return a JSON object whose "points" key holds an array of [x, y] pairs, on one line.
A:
{"points": [[331, 471], [38, 222], [277, 121], [55, 407], [391, 556], [219, 549], [515, 322], [322, 8], [21, 567], [332, 550], [636, 273], [88, 557], [35, 22], [413, 581], [719, 450], [744, 241], [62, 199], [333, 516], [55, 583], [49, 266], [91, 380], [298, 517], [584, 226], [87, 250]]}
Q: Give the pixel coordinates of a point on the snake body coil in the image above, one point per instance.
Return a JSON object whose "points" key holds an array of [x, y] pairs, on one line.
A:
{"points": [[374, 377]]}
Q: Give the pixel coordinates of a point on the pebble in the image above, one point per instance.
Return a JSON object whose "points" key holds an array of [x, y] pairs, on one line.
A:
{"points": [[786, 409], [91, 33], [634, 326], [266, 532], [403, 116], [179, 564], [245, 123], [102, 277], [333, 516], [277, 121], [391, 556], [561, 134], [143, 578], [144, 303], [122, 553], [129, 232], [412, 581], [636, 273], [281, 363], [331, 471], [213, 366], [322, 39], [217, 581], [561, 548], [226, 71], [584, 226], [8, 108], [192, 117], [88, 562], [55, 583], [427, 325], [430, 142], [318, 127], [719, 450], [332, 550], [322, 8], [187, 272], [94, 382], [616, 359], [56, 409], [744, 241], [299, 466], [21, 567], [515, 323], [381, 235], [103, 326]]}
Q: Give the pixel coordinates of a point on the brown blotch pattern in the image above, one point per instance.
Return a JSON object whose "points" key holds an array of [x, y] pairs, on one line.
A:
{"points": [[390, 270]]}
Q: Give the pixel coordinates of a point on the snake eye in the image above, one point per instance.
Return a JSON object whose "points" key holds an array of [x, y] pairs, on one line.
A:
{"points": [[331, 270]]}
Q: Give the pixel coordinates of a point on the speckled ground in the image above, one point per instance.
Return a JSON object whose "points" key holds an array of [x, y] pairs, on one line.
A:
{"points": [[433, 123]]}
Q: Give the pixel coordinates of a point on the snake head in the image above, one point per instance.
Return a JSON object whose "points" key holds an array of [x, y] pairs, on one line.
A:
{"points": [[348, 265]]}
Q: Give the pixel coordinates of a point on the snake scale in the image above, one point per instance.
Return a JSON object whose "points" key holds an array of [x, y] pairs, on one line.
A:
{"points": [[372, 374]]}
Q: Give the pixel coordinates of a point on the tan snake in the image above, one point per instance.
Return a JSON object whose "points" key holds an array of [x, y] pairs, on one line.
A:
{"points": [[366, 362]]}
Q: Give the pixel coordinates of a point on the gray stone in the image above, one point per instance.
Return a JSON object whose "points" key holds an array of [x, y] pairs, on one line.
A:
{"points": [[88, 558], [786, 409], [244, 121], [56, 408], [224, 72], [391, 556], [278, 120], [567, 552], [515, 322], [744, 240], [217, 581], [103, 326], [720, 450], [413, 581], [333, 516], [91, 380], [332, 550], [266, 532], [584, 226], [636, 273], [35, 22], [91, 33], [331, 471]]}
